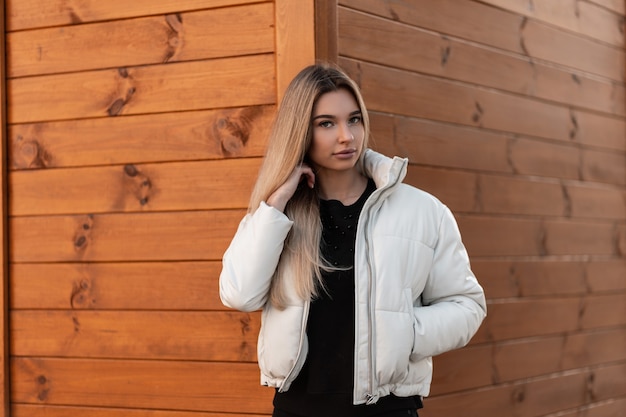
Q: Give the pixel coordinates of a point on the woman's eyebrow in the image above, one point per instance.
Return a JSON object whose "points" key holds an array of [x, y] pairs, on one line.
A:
{"points": [[330, 116]]}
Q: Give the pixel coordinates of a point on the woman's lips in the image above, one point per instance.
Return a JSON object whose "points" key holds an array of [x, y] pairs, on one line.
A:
{"points": [[347, 154]]}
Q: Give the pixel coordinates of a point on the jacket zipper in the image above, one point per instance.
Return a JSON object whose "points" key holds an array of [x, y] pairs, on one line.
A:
{"points": [[291, 375]]}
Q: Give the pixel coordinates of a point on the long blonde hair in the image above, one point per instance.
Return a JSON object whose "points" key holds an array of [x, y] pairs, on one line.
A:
{"points": [[288, 144]]}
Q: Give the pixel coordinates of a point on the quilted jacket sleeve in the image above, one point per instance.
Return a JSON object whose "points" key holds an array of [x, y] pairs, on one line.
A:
{"points": [[252, 257], [453, 302]]}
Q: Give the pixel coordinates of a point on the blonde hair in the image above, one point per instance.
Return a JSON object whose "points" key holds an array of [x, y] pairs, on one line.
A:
{"points": [[288, 144]]}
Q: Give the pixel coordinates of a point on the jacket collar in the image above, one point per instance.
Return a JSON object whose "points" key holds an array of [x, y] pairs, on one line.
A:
{"points": [[386, 172]]}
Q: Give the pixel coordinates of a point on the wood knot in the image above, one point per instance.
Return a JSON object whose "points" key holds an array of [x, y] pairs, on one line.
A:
{"points": [[43, 388], [82, 295], [519, 395], [137, 184], [478, 113], [232, 129], [32, 154], [82, 236]]}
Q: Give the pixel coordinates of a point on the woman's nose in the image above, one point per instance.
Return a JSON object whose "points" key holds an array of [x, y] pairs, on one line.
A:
{"points": [[345, 133]]}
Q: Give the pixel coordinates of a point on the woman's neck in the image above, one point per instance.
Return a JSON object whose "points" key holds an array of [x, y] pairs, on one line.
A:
{"points": [[344, 186]]}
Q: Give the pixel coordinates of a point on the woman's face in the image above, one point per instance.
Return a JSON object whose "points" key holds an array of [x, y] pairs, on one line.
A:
{"points": [[338, 132]]}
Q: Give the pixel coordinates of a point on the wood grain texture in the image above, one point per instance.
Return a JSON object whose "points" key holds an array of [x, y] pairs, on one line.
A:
{"points": [[197, 85], [367, 37], [535, 397], [163, 286], [156, 39], [582, 17], [180, 136], [295, 40], [191, 336], [193, 235], [200, 185], [166, 385], [42, 13], [30, 410], [4, 231]]}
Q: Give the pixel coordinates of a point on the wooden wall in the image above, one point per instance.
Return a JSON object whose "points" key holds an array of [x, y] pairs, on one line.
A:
{"points": [[135, 131], [514, 114]]}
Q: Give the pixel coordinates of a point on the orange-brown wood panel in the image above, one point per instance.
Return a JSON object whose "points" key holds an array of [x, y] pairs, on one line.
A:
{"points": [[116, 286], [520, 196], [489, 236], [196, 85], [25, 14], [156, 39], [166, 385], [617, 6], [526, 278], [542, 316], [533, 398], [582, 17], [456, 189], [606, 276], [411, 94], [427, 142], [219, 184], [530, 156], [462, 369], [190, 235], [565, 237], [464, 19], [180, 136], [4, 231], [596, 201], [602, 166], [367, 37], [29, 410], [551, 44], [191, 336]]}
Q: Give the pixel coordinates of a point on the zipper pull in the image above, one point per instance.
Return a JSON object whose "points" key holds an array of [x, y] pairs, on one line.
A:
{"points": [[371, 399]]}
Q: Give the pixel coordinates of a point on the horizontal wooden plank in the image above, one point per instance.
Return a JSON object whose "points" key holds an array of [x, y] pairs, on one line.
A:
{"points": [[195, 235], [614, 5], [193, 185], [427, 142], [522, 196], [581, 17], [515, 319], [550, 44], [531, 398], [169, 385], [492, 236], [177, 37], [519, 359], [603, 167], [415, 95], [530, 156], [367, 37], [518, 278], [456, 189], [563, 237], [197, 85], [173, 335], [212, 134], [25, 14], [604, 310], [30, 410], [468, 20], [462, 369], [116, 286], [607, 275], [596, 201]]}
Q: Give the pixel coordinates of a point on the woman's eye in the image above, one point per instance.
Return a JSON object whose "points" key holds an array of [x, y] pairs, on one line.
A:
{"points": [[326, 123], [355, 120]]}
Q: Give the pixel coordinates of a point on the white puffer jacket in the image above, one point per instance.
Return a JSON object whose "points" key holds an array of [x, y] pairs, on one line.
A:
{"points": [[415, 294]]}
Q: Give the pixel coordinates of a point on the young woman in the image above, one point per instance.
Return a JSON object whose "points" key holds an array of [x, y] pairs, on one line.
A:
{"points": [[361, 278]]}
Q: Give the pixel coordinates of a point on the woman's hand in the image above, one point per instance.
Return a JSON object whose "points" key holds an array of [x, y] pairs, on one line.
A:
{"points": [[283, 194]]}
